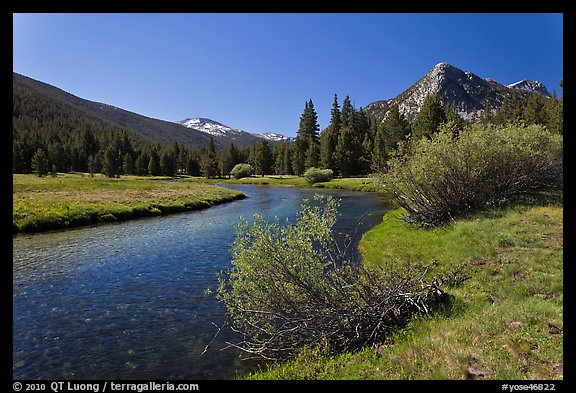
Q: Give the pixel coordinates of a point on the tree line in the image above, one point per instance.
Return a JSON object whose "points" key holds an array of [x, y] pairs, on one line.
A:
{"points": [[356, 144], [50, 137]]}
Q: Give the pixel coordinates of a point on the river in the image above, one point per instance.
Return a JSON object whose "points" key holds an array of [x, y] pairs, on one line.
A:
{"points": [[128, 300]]}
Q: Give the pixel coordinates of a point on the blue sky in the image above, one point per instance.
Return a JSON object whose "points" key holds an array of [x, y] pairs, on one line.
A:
{"points": [[256, 71]]}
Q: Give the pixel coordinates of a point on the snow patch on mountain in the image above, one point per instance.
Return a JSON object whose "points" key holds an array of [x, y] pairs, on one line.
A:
{"points": [[217, 129], [273, 136], [209, 126]]}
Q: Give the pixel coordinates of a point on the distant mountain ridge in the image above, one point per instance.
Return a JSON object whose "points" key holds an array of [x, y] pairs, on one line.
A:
{"points": [[469, 93], [217, 129]]}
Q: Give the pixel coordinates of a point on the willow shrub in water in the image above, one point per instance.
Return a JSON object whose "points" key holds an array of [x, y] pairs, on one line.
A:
{"points": [[290, 287], [486, 165]]}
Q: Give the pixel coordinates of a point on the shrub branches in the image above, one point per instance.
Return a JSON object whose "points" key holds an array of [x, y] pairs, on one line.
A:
{"points": [[486, 165], [290, 288]]}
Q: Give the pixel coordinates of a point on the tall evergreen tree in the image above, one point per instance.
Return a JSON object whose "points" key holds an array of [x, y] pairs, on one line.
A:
{"points": [[287, 160], [141, 165], [347, 111], [193, 164], [312, 155], [263, 158], [209, 160], [92, 166], [554, 111], [282, 159], [345, 153], [454, 122], [40, 163], [396, 128], [511, 110], [112, 164], [307, 139], [153, 164], [431, 116], [380, 151], [167, 166], [128, 166], [329, 137], [228, 158], [534, 111]]}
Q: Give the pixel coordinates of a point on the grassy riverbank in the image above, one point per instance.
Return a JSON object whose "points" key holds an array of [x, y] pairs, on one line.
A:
{"points": [[350, 183], [505, 322], [69, 200]]}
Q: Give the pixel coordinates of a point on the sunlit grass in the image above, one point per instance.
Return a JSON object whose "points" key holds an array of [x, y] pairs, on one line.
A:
{"points": [[75, 199]]}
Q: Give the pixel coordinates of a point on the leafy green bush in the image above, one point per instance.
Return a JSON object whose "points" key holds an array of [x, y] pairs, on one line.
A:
{"points": [[290, 288], [315, 175], [242, 170], [486, 165]]}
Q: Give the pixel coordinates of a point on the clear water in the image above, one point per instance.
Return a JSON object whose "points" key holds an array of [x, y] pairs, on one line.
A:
{"points": [[127, 300]]}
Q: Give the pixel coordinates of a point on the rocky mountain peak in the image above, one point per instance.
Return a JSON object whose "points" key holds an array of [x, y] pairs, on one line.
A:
{"points": [[469, 93]]}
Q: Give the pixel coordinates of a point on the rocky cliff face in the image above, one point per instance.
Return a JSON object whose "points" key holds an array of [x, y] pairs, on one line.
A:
{"points": [[470, 94]]}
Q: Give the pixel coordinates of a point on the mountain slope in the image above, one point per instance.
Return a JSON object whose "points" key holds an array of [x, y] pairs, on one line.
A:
{"points": [[155, 130], [468, 92], [160, 131]]}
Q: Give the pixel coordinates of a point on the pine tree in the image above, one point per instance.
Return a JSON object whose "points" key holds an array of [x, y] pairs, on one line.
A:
{"points": [[307, 142], [128, 164], [209, 160], [365, 160], [345, 152], [329, 137], [454, 122], [363, 142], [299, 156], [111, 166], [431, 116], [40, 163], [312, 155], [554, 111], [287, 160], [153, 165], [263, 159], [282, 165], [512, 109], [141, 165], [534, 111], [380, 151], [193, 164], [396, 128], [228, 158], [347, 112], [167, 163]]}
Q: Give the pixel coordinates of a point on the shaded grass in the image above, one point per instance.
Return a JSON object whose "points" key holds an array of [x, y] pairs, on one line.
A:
{"points": [[506, 322], [70, 200]]}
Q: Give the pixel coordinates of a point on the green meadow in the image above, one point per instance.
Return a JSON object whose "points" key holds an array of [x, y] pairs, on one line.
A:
{"points": [[69, 200]]}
